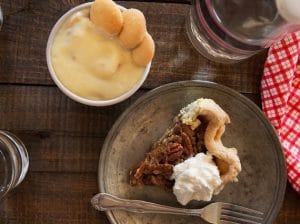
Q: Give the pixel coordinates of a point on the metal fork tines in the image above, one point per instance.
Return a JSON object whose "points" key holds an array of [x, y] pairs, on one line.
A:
{"points": [[231, 213]]}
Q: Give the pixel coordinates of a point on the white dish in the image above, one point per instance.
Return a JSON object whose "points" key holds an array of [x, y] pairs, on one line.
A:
{"points": [[65, 90]]}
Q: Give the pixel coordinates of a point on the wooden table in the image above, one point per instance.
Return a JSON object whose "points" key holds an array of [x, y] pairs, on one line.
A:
{"points": [[64, 138]]}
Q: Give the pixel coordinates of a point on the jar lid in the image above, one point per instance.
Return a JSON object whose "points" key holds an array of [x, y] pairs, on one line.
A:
{"points": [[289, 10]]}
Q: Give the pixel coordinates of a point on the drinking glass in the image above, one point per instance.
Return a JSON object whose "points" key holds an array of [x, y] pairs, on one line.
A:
{"points": [[14, 159], [229, 31], [14, 162]]}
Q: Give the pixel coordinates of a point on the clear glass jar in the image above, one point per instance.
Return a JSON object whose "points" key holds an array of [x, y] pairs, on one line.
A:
{"points": [[230, 31], [14, 162]]}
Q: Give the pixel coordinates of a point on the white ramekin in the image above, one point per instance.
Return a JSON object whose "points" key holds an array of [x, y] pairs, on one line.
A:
{"points": [[66, 91]]}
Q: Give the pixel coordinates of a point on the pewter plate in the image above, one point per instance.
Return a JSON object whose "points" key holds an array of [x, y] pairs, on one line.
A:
{"points": [[261, 183]]}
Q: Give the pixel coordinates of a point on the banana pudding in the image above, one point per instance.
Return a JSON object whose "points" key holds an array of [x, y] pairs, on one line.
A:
{"points": [[88, 56]]}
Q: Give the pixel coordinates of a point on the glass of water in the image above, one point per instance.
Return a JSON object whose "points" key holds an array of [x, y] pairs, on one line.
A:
{"points": [[230, 31], [14, 162]]}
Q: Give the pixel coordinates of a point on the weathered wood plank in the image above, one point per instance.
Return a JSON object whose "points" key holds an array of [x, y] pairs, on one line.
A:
{"points": [[64, 198], [61, 135], [52, 198], [46, 109], [290, 211], [50, 151], [28, 24], [42, 108], [53, 151]]}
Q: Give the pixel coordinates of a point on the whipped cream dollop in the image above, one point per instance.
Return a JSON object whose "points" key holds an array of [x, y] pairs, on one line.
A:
{"points": [[196, 179]]}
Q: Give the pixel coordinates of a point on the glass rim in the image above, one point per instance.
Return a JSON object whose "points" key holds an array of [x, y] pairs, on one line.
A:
{"points": [[16, 161]]}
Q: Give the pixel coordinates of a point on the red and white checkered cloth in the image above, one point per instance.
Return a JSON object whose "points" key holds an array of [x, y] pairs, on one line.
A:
{"points": [[280, 93]]}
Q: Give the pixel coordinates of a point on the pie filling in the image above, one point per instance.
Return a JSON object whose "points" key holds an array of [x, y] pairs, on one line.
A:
{"points": [[177, 145]]}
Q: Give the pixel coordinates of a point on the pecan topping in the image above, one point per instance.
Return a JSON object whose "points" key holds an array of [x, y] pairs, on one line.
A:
{"points": [[178, 144]]}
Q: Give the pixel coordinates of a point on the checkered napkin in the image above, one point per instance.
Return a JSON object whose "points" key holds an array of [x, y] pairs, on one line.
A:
{"points": [[280, 93]]}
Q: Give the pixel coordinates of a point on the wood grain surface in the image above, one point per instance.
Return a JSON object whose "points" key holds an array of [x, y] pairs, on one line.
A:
{"points": [[64, 138], [28, 24]]}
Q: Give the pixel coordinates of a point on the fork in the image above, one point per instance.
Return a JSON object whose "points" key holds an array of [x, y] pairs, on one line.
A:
{"points": [[215, 213]]}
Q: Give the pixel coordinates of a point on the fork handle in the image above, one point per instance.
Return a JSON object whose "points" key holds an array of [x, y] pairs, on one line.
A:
{"points": [[104, 202]]}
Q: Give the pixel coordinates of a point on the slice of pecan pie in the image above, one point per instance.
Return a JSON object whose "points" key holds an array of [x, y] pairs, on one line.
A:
{"points": [[197, 128]]}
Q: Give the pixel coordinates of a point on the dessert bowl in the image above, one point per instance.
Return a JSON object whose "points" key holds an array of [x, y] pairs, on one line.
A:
{"points": [[63, 88], [262, 180]]}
